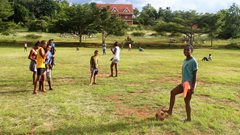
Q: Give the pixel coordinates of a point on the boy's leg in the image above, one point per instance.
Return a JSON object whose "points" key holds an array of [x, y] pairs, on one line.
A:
{"points": [[49, 78], [94, 79], [35, 84], [91, 79], [43, 82], [40, 85], [116, 69], [174, 92], [34, 77], [188, 106], [111, 67]]}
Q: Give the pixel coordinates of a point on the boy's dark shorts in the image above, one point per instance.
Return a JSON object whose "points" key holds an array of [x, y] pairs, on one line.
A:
{"points": [[95, 71], [40, 71]]}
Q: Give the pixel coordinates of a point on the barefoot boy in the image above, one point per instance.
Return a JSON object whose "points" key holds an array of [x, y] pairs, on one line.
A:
{"points": [[94, 67], [115, 59], [41, 57]]}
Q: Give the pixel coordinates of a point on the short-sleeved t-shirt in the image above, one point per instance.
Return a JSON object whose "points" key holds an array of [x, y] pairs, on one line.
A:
{"points": [[116, 53], [49, 58], [188, 67]]}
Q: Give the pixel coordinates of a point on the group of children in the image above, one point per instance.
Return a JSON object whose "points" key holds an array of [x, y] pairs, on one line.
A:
{"points": [[42, 62], [42, 59]]}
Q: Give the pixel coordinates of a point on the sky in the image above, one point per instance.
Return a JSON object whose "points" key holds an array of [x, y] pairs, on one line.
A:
{"points": [[203, 6]]}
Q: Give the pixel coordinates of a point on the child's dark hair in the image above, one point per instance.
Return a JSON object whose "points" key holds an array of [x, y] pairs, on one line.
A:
{"points": [[116, 43], [190, 47], [37, 43], [96, 51]]}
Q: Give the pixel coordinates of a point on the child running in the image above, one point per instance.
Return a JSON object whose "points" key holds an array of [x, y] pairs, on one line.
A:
{"points": [[189, 76], [32, 56], [94, 67]]}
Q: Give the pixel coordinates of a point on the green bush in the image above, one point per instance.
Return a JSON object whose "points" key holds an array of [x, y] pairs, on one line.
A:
{"points": [[138, 34], [33, 36]]}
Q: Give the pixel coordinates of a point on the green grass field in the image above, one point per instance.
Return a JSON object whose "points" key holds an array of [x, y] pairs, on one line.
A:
{"points": [[123, 105]]}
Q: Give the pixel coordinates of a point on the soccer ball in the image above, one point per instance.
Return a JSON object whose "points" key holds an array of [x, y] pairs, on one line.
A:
{"points": [[161, 115]]}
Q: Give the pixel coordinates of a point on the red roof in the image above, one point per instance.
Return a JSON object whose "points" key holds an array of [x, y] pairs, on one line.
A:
{"points": [[125, 9]]}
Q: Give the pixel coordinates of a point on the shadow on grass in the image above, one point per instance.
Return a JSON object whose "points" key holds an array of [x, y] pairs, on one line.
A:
{"points": [[13, 92], [107, 128]]}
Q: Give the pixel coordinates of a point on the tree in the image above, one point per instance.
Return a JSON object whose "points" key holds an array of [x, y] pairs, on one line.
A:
{"points": [[211, 24], [231, 29], [5, 11], [108, 24], [80, 19], [183, 22], [21, 13], [148, 15]]}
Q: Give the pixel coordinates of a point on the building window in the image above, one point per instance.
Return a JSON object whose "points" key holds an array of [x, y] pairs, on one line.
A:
{"points": [[114, 10], [125, 10], [126, 17]]}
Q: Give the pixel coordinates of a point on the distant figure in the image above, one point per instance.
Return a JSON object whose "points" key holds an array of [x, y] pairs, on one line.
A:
{"points": [[141, 49], [25, 46], [129, 47], [104, 48], [94, 67], [115, 59], [33, 56], [209, 58]]}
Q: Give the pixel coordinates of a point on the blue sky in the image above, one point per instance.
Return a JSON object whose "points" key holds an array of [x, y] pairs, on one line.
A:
{"points": [[203, 6]]}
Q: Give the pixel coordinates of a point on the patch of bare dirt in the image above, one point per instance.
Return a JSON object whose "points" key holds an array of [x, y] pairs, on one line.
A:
{"points": [[126, 111]]}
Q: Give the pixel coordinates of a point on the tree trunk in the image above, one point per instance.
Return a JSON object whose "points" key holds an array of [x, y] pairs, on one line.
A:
{"points": [[80, 39], [103, 37], [211, 41]]}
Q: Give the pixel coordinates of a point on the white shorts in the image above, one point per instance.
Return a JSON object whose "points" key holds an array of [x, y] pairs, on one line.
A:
{"points": [[115, 61]]}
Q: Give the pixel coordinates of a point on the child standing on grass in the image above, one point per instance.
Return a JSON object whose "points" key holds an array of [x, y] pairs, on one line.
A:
{"points": [[189, 75], [49, 65], [94, 67], [115, 59], [32, 56], [41, 57]]}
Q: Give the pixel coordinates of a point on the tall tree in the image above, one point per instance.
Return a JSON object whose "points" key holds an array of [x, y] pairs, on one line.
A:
{"points": [[183, 22], [108, 24], [148, 15], [231, 28], [5, 12], [80, 19]]}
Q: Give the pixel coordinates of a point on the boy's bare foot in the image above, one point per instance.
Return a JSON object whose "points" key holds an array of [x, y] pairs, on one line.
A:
{"points": [[50, 89], [94, 83], [90, 84], [116, 75], [110, 75], [187, 120], [35, 93], [167, 111]]}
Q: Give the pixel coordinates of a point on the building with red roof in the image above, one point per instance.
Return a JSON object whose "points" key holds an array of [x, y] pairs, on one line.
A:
{"points": [[123, 10]]}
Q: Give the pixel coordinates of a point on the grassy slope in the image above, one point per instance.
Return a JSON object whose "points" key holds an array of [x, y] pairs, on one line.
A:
{"points": [[147, 39], [123, 105]]}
